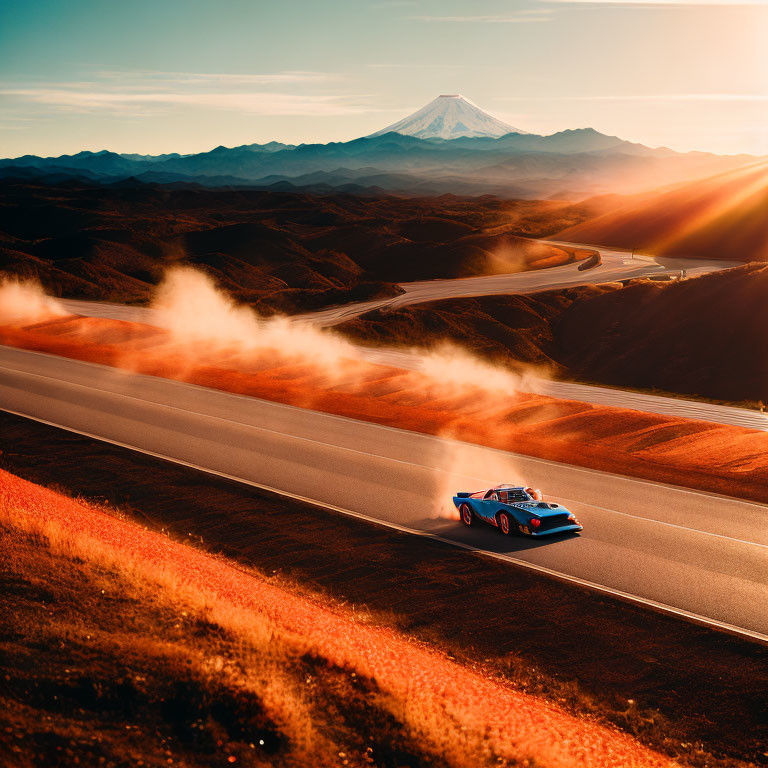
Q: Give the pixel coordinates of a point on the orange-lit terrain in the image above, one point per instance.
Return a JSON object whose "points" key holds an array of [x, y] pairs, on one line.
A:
{"points": [[722, 217], [282, 252], [282, 654], [591, 655], [701, 337], [700, 455], [339, 432]]}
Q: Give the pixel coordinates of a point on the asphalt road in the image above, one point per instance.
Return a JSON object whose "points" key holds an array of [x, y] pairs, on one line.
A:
{"points": [[696, 553], [616, 265]]}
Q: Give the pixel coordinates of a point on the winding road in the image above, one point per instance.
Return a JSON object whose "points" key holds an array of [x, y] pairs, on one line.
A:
{"points": [[615, 265], [695, 554]]}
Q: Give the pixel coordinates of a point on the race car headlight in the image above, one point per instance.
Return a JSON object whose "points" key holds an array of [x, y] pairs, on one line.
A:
{"points": [[535, 522]]}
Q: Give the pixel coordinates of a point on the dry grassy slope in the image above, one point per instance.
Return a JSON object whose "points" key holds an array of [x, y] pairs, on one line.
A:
{"points": [[722, 217], [590, 653], [282, 251], [703, 336], [150, 676], [138, 679], [693, 454], [260, 688]]}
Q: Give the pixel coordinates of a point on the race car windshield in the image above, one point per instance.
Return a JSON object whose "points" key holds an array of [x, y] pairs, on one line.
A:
{"points": [[514, 494]]}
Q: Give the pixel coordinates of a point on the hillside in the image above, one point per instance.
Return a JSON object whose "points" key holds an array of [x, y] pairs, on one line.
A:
{"points": [[282, 251], [691, 337], [184, 658], [722, 217]]}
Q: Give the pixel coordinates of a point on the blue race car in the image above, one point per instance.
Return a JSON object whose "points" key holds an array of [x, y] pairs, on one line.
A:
{"points": [[513, 508]]}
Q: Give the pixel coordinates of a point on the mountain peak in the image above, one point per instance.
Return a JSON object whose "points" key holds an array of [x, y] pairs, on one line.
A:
{"points": [[449, 116]]}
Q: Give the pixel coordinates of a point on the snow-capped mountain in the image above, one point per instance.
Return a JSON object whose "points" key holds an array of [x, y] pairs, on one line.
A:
{"points": [[449, 117]]}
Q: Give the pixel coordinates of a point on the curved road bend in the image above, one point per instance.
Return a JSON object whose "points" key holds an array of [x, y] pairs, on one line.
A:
{"points": [[694, 552], [616, 265]]}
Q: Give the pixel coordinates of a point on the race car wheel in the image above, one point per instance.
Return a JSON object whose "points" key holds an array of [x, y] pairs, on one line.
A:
{"points": [[466, 514], [504, 523]]}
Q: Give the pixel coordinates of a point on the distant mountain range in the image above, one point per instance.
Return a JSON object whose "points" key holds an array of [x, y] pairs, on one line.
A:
{"points": [[568, 165]]}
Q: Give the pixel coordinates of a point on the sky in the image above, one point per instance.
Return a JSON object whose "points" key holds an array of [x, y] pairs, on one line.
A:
{"points": [[154, 76]]}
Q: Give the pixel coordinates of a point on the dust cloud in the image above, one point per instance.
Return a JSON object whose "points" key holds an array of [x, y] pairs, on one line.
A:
{"points": [[507, 257], [457, 371], [23, 302], [205, 324], [206, 321], [465, 467], [517, 255]]}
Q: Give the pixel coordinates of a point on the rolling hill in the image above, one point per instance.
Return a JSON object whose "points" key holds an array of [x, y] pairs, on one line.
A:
{"points": [[281, 251], [721, 217]]}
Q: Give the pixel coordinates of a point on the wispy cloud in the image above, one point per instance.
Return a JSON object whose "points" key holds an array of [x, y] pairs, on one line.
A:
{"points": [[210, 78], [527, 16], [255, 102], [658, 97], [657, 3], [425, 65], [292, 93]]}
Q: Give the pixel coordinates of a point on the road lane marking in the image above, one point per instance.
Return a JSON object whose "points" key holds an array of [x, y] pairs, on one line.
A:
{"points": [[664, 522], [625, 596], [119, 372], [379, 456]]}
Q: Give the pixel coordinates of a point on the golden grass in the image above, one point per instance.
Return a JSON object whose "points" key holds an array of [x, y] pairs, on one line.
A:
{"points": [[457, 716], [268, 656], [448, 401]]}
